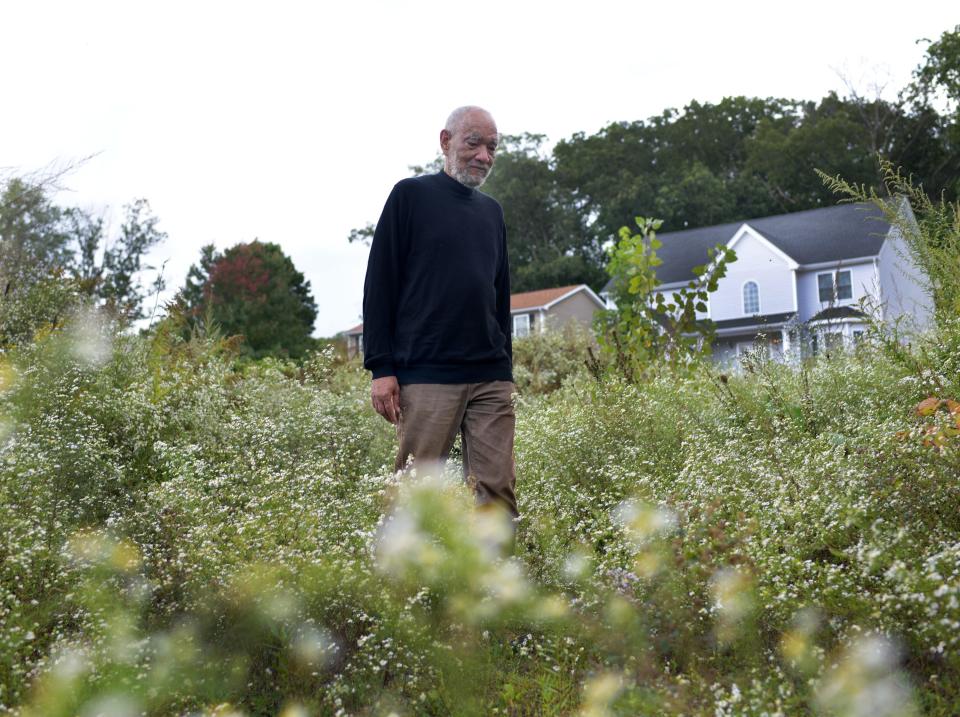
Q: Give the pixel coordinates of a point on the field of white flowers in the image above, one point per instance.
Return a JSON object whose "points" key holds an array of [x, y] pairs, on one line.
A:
{"points": [[183, 534]]}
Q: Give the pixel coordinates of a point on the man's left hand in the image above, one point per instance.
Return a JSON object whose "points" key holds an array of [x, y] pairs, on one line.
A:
{"points": [[385, 396]]}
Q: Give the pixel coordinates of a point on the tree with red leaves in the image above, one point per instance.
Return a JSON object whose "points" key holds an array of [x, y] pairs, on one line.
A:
{"points": [[255, 291]]}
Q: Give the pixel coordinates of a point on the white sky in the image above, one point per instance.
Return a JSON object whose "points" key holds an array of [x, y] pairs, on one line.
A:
{"points": [[290, 121]]}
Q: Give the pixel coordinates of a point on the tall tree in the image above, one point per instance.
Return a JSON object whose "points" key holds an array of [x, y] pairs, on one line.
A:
{"points": [[254, 290], [686, 167], [34, 236], [39, 238], [937, 81], [546, 237], [827, 135]]}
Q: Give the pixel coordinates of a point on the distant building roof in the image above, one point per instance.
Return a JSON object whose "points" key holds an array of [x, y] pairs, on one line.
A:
{"points": [[539, 298], [845, 231]]}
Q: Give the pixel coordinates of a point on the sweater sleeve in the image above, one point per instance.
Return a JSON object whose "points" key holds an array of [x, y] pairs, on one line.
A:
{"points": [[381, 288], [503, 293]]}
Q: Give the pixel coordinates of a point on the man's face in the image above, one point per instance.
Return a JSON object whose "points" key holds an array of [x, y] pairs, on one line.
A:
{"points": [[469, 151]]}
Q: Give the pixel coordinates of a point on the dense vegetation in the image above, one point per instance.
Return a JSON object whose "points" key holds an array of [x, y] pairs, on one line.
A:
{"points": [[189, 534], [194, 529]]}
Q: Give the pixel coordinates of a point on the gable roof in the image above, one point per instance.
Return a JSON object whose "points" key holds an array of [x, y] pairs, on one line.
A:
{"points": [[846, 231], [528, 300], [540, 298]]}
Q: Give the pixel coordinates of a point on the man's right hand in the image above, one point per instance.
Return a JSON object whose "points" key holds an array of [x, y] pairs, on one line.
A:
{"points": [[385, 396]]}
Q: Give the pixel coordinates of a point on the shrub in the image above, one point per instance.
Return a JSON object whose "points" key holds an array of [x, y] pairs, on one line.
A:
{"points": [[543, 361]]}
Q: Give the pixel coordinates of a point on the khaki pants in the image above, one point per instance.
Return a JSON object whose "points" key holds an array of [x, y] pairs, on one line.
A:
{"points": [[431, 415]]}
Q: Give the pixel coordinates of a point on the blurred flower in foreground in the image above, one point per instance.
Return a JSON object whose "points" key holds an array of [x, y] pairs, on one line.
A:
{"points": [[97, 548], [797, 644], [733, 601], [115, 705], [865, 682], [599, 693], [643, 521], [91, 338]]}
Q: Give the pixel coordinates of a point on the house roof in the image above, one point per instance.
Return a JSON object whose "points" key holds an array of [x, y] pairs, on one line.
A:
{"points": [[759, 320], [845, 231], [838, 312], [540, 298]]}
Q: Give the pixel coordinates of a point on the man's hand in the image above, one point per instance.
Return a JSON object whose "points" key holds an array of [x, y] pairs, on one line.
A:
{"points": [[385, 396]]}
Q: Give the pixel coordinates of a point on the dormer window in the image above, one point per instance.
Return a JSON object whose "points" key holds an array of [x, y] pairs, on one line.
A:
{"points": [[751, 298], [835, 286]]}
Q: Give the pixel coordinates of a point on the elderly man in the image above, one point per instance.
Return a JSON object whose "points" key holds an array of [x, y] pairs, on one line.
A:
{"points": [[436, 314]]}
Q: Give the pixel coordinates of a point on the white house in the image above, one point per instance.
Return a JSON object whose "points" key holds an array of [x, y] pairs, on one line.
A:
{"points": [[801, 281]]}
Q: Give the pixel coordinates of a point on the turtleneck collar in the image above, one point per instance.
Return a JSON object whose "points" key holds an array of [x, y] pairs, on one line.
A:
{"points": [[456, 187]]}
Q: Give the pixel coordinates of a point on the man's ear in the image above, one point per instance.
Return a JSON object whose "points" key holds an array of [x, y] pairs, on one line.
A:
{"points": [[444, 139]]}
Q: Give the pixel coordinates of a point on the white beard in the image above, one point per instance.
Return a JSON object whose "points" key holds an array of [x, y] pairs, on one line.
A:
{"points": [[462, 174]]}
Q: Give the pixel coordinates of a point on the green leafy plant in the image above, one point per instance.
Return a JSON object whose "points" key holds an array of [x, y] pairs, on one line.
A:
{"points": [[649, 326]]}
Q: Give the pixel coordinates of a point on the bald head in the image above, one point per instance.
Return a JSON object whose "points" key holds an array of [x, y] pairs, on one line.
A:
{"points": [[458, 116], [469, 142]]}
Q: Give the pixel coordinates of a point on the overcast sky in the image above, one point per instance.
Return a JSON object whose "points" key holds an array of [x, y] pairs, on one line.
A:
{"points": [[290, 121]]}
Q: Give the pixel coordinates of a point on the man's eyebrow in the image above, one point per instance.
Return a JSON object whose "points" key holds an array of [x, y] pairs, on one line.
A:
{"points": [[478, 136]]}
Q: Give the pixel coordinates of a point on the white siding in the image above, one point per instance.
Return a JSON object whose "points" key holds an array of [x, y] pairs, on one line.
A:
{"points": [[755, 262], [903, 288], [863, 277]]}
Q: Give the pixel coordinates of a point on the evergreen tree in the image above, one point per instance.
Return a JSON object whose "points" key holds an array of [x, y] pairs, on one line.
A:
{"points": [[254, 290]]}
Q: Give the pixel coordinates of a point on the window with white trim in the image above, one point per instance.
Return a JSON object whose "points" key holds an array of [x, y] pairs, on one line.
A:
{"points": [[521, 325], [833, 341], [835, 286], [844, 286], [751, 298]]}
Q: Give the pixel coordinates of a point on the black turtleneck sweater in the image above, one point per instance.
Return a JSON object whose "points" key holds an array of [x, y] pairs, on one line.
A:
{"points": [[436, 300]]}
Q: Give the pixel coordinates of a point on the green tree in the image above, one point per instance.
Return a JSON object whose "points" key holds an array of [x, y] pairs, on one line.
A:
{"points": [[254, 290], [829, 135], [937, 81], [546, 237], [940, 71], [42, 243], [198, 276], [686, 167], [35, 236]]}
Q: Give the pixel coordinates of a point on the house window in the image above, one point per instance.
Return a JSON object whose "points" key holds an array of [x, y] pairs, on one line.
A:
{"points": [[521, 325], [844, 286], [825, 284], [833, 341], [751, 298], [835, 286]]}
